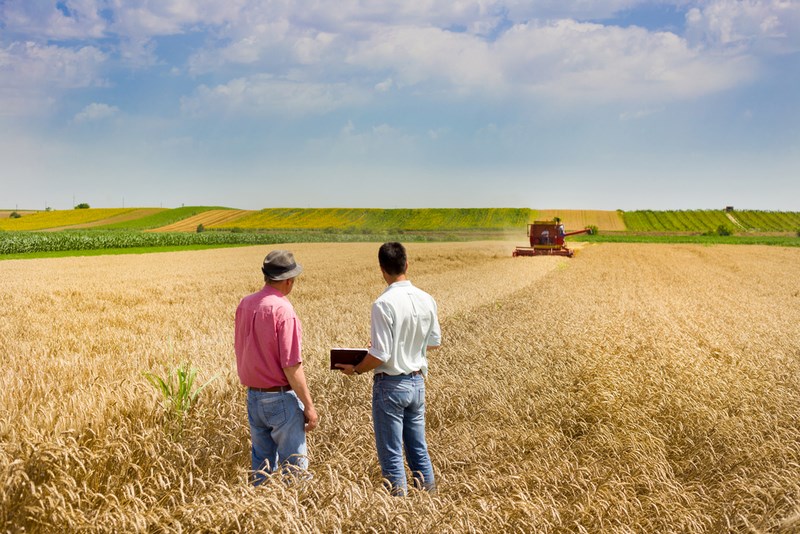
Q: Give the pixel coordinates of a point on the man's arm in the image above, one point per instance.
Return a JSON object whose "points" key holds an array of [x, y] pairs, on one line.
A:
{"points": [[369, 363], [297, 379]]}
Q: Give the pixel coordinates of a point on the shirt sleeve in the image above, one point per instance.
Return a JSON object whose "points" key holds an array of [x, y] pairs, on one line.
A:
{"points": [[435, 337], [238, 333], [381, 332], [289, 335]]}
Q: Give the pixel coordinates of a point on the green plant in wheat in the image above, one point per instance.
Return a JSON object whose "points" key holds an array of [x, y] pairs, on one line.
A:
{"points": [[177, 388]]}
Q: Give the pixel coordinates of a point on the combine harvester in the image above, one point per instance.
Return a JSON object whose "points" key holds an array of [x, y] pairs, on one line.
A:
{"points": [[547, 239]]}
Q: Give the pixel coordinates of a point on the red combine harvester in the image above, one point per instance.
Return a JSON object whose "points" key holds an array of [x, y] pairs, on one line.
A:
{"points": [[547, 239]]}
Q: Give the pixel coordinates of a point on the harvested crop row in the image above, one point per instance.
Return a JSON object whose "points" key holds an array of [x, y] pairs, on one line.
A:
{"points": [[207, 218]]}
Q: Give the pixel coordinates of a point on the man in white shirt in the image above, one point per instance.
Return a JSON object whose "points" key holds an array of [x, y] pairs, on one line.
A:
{"points": [[404, 326]]}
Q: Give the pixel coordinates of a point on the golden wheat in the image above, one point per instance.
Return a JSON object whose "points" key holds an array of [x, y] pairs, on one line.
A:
{"points": [[633, 388], [208, 218]]}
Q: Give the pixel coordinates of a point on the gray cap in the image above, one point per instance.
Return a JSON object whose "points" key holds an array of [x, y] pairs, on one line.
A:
{"points": [[280, 265]]}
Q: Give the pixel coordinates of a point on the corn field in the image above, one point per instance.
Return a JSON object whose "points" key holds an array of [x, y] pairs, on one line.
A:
{"points": [[633, 388], [93, 240]]}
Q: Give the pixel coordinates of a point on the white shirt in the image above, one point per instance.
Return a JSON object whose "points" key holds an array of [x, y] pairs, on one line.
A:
{"points": [[404, 325]]}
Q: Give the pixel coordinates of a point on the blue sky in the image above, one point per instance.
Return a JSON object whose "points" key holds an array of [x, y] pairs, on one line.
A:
{"points": [[608, 104]]}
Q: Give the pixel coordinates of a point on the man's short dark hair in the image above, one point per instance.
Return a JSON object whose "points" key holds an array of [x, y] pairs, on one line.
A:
{"points": [[392, 258]]}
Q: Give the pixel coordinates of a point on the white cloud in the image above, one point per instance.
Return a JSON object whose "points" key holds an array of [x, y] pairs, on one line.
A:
{"points": [[572, 60], [96, 112], [430, 56], [29, 63], [312, 56], [268, 95], [565, 60], [141, 18], [32, 75], [247, 43], [479, 17], [406, 45], [138, 22], [138, 52], [752, 24], [76, 19]]}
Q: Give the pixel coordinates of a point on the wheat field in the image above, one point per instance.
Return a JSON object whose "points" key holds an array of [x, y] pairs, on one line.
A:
{"points": [[206, 218], [632, 388]]}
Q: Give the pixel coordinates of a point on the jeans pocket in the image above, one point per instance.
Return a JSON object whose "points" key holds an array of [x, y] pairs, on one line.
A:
{"points": [[396, 393], [271, 409]]}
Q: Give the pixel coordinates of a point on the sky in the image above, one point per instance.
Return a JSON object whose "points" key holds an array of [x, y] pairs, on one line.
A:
{"points": [[251, 104]]}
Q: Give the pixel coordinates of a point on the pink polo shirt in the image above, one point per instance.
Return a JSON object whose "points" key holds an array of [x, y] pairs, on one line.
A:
{"points": [[267, 338]]}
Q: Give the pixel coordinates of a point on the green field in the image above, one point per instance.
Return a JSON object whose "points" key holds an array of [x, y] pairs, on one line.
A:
{"points": [[382, 220], [674, 221], [769, 221], [783, 241], [709, 220]]}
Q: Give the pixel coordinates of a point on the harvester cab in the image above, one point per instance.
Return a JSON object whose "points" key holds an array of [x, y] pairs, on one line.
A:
{"points": [[547, 238]]}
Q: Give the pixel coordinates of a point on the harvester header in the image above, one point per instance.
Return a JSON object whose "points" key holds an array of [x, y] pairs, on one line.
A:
{"points": [[547, 239]]}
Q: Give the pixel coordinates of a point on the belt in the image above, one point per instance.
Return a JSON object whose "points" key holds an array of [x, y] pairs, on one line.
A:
{"points": [[274, 389], [412, 373]]}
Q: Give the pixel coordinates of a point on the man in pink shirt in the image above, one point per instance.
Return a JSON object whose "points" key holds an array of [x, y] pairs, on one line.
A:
{"points": [[268, 346]]}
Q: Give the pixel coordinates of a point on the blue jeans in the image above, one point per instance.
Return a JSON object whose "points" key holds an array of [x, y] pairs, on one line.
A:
{"points": [[398, 415], [277, 432]]}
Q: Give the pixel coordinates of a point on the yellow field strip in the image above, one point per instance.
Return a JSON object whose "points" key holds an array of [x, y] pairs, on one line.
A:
{"points": [[207, 219], [130, 216], [45, 220]]}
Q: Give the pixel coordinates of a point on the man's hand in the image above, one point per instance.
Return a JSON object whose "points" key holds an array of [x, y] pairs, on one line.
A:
{"points": [[297, 379], [346, 368], [369, 363], [312, 420]]}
